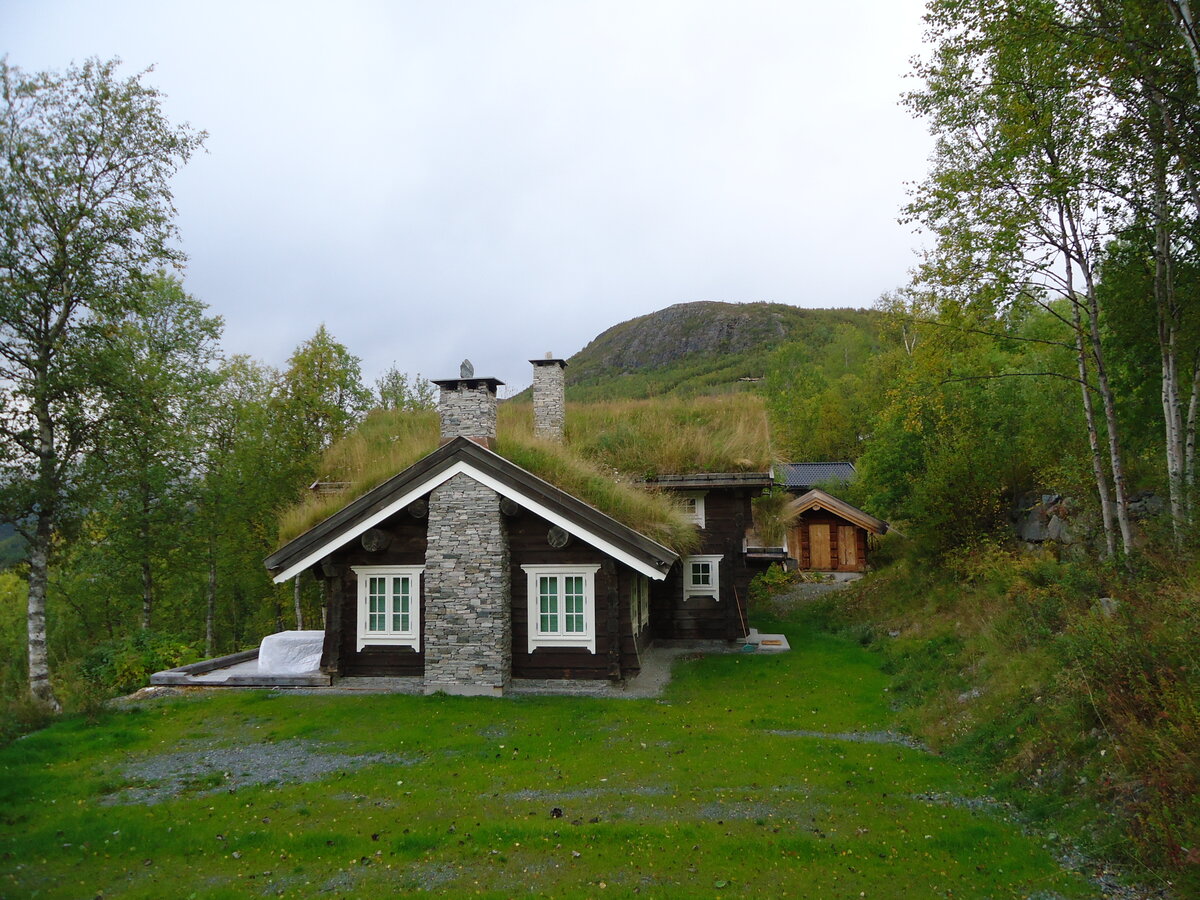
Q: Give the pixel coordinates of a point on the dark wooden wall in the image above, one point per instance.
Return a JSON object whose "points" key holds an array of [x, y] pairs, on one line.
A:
{"points": [[617, 651], [726, 515], [406, 548], [528, 546]]}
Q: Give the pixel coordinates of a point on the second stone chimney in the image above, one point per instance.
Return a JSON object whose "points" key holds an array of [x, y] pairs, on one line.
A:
{"points": [[549, 397], [467, 406]]}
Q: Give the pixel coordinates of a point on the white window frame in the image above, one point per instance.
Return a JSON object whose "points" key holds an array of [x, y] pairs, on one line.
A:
{"points": [[639, 603], [560, 638], [697, 513], [389, 637], [713, 588]]}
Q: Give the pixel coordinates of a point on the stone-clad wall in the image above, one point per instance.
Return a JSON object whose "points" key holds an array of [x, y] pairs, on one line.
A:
{"points": [[549, 400], [468, 617], [468, 410]]}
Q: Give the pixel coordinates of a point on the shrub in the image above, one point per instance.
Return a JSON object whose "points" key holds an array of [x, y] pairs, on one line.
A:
{"points": [[125, 664]]}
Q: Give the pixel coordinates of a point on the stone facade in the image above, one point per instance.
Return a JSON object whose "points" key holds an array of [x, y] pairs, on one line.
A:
{"points": [[549, 398], [468, 614], [468, 409]]}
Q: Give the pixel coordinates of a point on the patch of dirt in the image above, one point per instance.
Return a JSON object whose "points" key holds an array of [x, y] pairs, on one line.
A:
{"points": [[860, 737], [208, 769]]}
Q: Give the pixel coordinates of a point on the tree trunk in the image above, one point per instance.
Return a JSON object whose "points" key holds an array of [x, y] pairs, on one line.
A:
{"points": [[147, 571], [1187, 26], [210, 611], [40, 687], [1164, 297], [1078, 251], [1089, 412], [296, 598], [1189, 449]]}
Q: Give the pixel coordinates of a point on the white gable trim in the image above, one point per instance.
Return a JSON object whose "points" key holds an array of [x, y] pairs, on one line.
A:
{"points": [[504, 490]]}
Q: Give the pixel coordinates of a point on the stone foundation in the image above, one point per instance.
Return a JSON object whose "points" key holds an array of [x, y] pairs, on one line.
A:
{"points": [[468, 613]]}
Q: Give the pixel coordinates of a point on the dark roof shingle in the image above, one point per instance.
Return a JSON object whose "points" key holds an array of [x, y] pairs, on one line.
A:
{"points": [[806, 475]]}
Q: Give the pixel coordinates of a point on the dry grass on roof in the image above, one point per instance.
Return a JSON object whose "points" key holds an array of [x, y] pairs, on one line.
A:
{"points": [[673, 436], [388, 442], [385, 443], [656, 514]]}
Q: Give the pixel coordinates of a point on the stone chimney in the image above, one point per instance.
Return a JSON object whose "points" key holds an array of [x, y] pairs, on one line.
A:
{"points": [[549, 397], [468, 609], [467, 406]]}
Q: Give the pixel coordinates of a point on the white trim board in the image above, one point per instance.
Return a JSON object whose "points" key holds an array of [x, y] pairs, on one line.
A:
{"points": [[464, 468]]}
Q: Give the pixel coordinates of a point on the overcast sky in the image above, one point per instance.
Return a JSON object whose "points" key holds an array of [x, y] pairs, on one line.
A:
{"points": [[439, 180]]}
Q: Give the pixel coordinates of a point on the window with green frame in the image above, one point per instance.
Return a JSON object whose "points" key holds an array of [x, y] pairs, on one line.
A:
{"points": [[562, 605], [389, 606]]}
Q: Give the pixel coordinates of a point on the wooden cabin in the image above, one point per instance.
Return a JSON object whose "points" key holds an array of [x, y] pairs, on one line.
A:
{"points": [[830, 535], [705, 596]]}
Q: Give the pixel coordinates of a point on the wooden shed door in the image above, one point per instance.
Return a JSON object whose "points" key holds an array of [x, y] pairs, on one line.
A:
{"points": [[847, 547], [818, 546]]}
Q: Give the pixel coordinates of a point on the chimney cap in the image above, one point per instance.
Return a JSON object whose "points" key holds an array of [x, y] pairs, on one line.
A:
{"points": [[454, 383], [548, 361]]}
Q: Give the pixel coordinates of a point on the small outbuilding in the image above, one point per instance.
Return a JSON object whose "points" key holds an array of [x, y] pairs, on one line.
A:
{"points": [[830, 535]]}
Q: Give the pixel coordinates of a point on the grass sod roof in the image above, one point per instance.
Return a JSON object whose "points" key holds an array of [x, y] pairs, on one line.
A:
{"points": [[389, 442], [610, 448]]}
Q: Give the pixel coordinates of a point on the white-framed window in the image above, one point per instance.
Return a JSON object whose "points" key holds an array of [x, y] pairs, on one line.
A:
{"points": [[693, 505], [562, 606], [639, 603], [389, 606], [702, 576]]}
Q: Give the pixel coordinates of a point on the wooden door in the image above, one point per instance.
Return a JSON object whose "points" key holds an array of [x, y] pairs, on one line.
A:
{"points": [[847, 547], [818, 546]]}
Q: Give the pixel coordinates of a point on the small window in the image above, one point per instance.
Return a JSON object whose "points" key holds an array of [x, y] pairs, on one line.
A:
{"points": [[389, 606], [701, 576], [562, 606], [693, 505]]}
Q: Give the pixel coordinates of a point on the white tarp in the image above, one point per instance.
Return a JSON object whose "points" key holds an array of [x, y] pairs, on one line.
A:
{"points": [[291, 653]]}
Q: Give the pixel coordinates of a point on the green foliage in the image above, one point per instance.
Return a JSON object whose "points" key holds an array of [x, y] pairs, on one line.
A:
{"points": [[322, 396], [771, 516], [1014, 663], [706, 347], [765, 585], [13, 592], [397, 390], [125, 664]]}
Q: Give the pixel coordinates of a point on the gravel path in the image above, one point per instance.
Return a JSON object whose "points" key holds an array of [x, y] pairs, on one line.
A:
{"points": [[206, 769]]}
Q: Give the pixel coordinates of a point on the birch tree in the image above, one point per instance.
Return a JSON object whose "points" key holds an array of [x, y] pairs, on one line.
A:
{"points": [[86, 159], [1016, 197]]}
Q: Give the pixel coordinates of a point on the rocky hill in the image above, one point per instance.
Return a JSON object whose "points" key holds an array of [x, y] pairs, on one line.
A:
{"points": [[700, 347]]}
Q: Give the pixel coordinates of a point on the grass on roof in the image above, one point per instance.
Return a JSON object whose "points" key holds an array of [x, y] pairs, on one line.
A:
{"points": [[673, 436], [388, 442]]}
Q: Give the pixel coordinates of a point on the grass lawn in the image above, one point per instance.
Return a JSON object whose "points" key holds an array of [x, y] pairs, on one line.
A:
{"points": [[720, 788]]}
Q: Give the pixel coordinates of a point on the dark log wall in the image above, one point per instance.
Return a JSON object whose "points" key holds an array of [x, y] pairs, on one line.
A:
{"points": [[528, 546], [406, 548], [617, 649], [800, 536], [726, 516]]}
